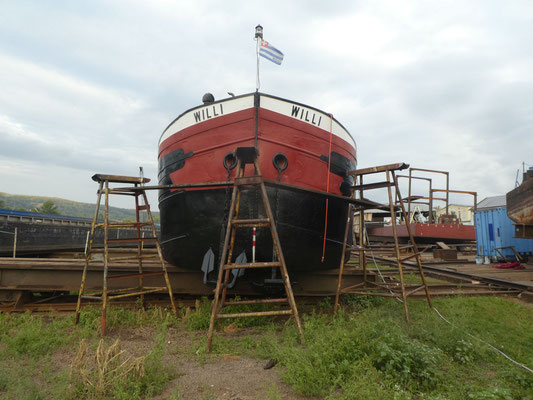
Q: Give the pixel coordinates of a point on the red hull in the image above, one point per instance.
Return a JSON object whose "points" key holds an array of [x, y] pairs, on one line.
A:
{"points": [[318, 150], [305, 146], [428, 232]]}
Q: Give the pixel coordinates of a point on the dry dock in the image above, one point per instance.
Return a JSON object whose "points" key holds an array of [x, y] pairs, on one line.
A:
{"points": [[20, 277]]}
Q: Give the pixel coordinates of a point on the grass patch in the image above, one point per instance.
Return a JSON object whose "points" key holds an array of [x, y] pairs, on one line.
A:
{"points": [[374, 353], [113, 373], [118, 317], [27, 343], [366, 351], [30, 336], [199, 318]]}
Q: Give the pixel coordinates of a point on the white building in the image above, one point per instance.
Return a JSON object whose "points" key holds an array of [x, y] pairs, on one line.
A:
{"points": [[464, 213]]}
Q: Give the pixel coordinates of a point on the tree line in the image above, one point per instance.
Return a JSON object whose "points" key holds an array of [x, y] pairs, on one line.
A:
{"points": [[58, 206], [48, 207]]}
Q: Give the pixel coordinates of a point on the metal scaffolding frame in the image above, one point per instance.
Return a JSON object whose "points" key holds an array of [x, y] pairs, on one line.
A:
{"points": [[368, 287]]}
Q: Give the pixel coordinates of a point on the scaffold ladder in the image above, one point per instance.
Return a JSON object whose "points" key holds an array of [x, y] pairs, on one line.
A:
{"points": [[367, 287], [248, 155], [141, 204]]}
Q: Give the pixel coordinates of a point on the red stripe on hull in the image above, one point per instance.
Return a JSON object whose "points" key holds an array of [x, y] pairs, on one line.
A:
{"points": [[428, 231], [303, 144]]}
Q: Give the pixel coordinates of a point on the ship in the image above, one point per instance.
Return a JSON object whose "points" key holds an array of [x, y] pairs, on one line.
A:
{"points": [[306, 150], [520, 206]]}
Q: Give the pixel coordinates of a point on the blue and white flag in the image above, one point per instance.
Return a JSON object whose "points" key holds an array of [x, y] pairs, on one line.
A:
{"points": [[269, 52]]}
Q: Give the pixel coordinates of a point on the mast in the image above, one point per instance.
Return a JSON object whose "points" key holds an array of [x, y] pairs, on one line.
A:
{"points": [[258, 37]]}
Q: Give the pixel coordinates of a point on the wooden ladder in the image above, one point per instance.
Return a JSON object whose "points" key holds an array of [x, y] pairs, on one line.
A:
{"points": [[141, 204], [248, 155], [368, 287]]}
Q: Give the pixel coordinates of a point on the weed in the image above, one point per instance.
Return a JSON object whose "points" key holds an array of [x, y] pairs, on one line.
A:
{"points": [[325, 304], [32, 336], [372, 353], [359, 302], [4, 381], [199, 318], [406, 360], [89, 321], [99, 376], [112, 372], [273, 393], [491, 393], [118, 317], [366, 383], [176, 395], [157, 374], [15, 385], [331, 352]]}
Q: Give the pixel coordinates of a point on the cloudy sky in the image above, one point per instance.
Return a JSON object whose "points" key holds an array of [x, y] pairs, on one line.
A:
{"points": [[89, 86]]}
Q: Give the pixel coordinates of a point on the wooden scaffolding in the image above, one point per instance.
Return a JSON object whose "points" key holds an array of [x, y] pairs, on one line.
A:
{"points": [[248, 155], [399, 291], [139, 228]]}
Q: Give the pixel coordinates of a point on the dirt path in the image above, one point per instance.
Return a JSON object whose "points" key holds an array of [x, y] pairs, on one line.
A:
{"points": [[200, 376], [228, 378], [224, 377]]}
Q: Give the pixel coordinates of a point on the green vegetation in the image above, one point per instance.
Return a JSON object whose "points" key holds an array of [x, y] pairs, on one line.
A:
{"points": [[95, 369], [48, 207], [55, 205], [199, 319], [367, 351]]}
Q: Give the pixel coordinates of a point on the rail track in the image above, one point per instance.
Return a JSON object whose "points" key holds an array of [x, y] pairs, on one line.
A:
{"points": [[444, 272], [50, 284]]}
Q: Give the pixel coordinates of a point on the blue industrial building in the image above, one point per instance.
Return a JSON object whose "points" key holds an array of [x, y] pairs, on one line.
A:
{"points": [[495, 230]]}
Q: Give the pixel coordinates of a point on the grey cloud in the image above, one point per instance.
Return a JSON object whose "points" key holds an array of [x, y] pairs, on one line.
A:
{"points": [[447, 87]]}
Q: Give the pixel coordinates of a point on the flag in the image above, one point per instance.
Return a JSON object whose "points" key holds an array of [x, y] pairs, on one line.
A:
{"points": [[270, 52]]}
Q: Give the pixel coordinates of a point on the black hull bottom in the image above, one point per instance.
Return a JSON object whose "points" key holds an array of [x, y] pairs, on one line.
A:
{"points": [[194, 221]]}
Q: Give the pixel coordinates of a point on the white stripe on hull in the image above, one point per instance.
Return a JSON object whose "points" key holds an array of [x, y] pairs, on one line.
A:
{"points": [[210, 111], [297, 111], [305, 114]]}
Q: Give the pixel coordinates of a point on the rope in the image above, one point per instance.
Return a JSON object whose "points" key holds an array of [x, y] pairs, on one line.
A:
{"points": [[488, 344], [444, 319], [226, 216], [327, 185], [377, 266]]}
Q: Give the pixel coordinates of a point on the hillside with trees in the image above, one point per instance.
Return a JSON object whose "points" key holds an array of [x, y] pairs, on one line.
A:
{"points": [[56, 205]]}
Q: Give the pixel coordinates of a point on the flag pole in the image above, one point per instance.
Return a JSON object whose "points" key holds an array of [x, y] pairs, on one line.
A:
{"points": [[258, 37]]}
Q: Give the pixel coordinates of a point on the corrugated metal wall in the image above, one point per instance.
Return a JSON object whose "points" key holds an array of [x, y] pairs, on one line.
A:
{"points": [[495, 229]]}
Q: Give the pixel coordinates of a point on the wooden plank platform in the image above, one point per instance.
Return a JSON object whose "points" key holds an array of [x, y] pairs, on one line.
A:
{"points": [[64, 274]]}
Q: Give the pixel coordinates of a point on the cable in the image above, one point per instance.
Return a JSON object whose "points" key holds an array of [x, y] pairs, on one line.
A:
{"points": [[444, 319], [488, 344], [376, 264], [327, 185]]}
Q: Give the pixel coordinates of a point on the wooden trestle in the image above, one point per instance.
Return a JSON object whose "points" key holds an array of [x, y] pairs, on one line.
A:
{"points": [[248, 155], [368, 287], [141, 204]]}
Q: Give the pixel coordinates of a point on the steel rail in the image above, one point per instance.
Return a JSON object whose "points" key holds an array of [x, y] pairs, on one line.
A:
{"points": [[464, 275]]}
